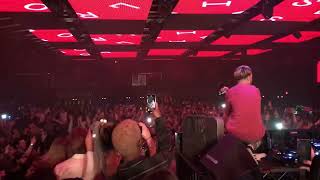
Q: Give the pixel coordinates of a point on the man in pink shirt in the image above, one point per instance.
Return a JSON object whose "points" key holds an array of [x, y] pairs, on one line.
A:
{"points": [[243, 112]]}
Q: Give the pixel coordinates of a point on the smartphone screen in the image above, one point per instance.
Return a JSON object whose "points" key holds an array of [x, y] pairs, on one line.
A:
{"points": [[151, 102]]}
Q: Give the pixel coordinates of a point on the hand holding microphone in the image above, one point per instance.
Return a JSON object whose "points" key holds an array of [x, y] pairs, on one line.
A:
{"points": [[223, 90]]}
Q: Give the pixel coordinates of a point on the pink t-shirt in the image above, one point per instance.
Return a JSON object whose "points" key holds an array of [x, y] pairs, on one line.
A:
{"points": [[245, 120]]}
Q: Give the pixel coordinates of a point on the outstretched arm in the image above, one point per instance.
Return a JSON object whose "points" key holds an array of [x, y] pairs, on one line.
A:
{"points": [[163, 133], [148, 138]]}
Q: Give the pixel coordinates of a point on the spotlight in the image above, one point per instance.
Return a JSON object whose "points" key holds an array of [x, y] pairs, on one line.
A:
{"points": [[279, 126], [149, 120], [223, 105], [4, 116], [103, 121]]}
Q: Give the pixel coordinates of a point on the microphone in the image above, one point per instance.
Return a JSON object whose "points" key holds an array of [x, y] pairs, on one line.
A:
{"points": [[223, 90]]}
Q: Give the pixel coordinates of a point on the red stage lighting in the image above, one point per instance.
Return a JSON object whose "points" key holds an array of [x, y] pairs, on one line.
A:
{"points": [[305, 36], [116, 39], [294, 10], [108, 54], [54, 35], [211, 53], [212, 6], [112, 9], [165, 52], [23, 6], [176, 36], [159, 59], [240, 39], [74, 52], [255, 51]]}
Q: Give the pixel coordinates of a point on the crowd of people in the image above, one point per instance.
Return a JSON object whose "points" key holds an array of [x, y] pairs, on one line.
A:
{"points": [[35, 142], [290, 117]]}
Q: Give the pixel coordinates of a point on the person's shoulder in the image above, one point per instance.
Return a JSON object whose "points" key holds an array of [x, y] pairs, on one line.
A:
{"points": [[254, 87], [231, 91], [233, 88]]}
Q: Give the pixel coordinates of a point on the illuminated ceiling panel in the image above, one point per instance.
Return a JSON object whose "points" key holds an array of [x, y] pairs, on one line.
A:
{"points": [[116, 39], [129, 54], [165, 52], [257, 51], [159, 59], [305, 36], [112, 9], [240, 39], [251, 52], [74, 52], [182, 35], [211, 53], [212, 6], [23, 6], [56, 35], [294, 10]]}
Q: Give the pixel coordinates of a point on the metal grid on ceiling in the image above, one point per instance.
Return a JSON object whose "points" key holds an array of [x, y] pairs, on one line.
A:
{"points": [[134, 30]]}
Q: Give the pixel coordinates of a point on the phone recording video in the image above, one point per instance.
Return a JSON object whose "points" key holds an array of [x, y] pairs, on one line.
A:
{"points": [[151, 103]]}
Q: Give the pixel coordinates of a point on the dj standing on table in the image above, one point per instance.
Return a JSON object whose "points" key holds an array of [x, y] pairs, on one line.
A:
{"points": [[243, 111]]}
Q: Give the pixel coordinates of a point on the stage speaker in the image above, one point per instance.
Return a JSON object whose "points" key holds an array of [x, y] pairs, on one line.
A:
{"points": [[199, 133]]}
